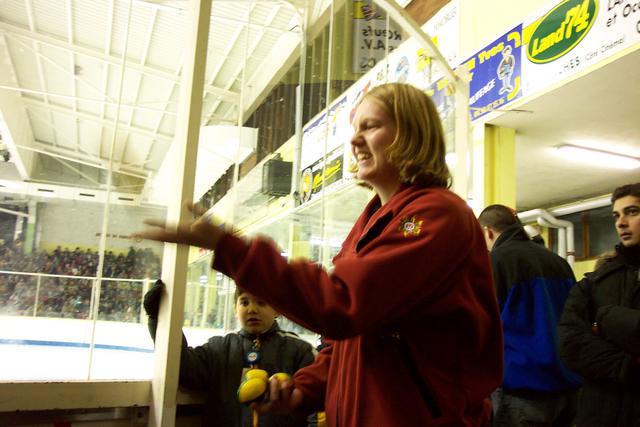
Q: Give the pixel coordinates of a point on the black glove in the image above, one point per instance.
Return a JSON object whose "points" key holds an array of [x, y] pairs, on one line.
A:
{"points": [[152, 298]]}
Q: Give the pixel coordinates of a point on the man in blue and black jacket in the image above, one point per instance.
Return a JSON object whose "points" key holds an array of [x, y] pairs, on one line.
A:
{"points": [[532, 285]]}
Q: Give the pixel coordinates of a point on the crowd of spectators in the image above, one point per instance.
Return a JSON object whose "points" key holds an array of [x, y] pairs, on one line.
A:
{"points": [[70, 297]]}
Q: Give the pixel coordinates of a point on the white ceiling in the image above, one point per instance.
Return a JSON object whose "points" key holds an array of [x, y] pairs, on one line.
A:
{"points": [[599, 110], [61, 71]]}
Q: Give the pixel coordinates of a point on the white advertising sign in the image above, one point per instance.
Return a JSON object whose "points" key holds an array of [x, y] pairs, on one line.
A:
{"points": [[371, 37], [572, 35]]}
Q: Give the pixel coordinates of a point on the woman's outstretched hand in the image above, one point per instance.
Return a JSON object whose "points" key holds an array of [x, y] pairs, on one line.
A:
{"points": [[200, 231]]}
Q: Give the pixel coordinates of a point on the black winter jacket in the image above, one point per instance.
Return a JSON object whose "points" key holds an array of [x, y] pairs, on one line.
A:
{"points": [[215, 368], [609, 360]]}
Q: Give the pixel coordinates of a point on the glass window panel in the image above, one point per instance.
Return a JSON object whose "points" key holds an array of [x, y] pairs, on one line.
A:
{"points": [[48, 301], [71, 278], [129, 268], [602, 232], [310, 217], [374, 36], [68, 283], [263, 146]]}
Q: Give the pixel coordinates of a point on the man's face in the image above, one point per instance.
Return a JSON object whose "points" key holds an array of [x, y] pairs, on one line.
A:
{"points": [[255, 315], [626, 213]]}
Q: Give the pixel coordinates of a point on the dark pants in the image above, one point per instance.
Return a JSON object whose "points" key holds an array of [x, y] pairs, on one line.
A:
{"points": [[533, 409]]}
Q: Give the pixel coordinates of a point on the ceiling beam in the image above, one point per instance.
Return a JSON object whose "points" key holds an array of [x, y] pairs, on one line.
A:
{"points": [[253, 25], [43, 83], [97, 119], [105, 70], [25, 44], [78, 150], [100, 165], [72, 65], [16, 213], [89, 157], [156, 128], [231, 43], [249, 50], [182, 6], [14, 116], [96, 100], [143, 62], [11, 30], [76, 170]]}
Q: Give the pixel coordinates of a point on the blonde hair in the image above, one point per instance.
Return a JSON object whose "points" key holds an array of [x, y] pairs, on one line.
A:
{"points": [[419, 148]]}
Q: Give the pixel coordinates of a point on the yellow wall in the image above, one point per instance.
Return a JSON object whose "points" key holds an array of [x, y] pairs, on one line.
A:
{"points": [[499, 166], [582, 267], [481, 22]]}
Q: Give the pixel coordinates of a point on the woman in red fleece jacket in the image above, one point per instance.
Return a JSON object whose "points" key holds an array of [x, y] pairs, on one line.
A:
{"points": [[409, 308]]}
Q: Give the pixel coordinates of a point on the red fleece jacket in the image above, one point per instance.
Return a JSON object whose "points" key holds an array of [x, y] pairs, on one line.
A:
{"points": [[410, 308]]}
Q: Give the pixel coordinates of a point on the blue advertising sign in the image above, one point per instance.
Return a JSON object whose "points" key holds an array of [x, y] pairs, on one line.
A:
{"points": [[495, 74], [441, 93]]}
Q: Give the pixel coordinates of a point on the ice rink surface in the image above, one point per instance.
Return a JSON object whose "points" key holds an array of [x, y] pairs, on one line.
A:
{"points": [[62, 363], [58, 349]]}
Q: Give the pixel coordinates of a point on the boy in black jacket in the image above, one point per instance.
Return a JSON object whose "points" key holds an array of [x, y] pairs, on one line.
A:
{"points": [[216, 367]]}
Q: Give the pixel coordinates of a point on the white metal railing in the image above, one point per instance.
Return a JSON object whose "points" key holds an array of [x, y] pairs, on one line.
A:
{"points": [[35, 296], [34, 300]]}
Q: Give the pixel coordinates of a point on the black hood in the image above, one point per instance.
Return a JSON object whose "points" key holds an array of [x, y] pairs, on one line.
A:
{"points": [[629, 255], [512, 232]]}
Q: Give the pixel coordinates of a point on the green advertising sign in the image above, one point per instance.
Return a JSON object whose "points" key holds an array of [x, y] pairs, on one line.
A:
{"points": [[561, 30]]}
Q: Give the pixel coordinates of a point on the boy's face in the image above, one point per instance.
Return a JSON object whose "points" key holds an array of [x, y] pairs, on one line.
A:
{"points": [[626, 213], [255, 316]]}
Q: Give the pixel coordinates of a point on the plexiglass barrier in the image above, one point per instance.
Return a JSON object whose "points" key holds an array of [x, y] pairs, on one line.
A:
{"points": [[280, 87]]}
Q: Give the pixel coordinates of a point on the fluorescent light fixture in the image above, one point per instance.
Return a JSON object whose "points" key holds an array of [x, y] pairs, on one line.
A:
{"points": [[597, 157]]}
